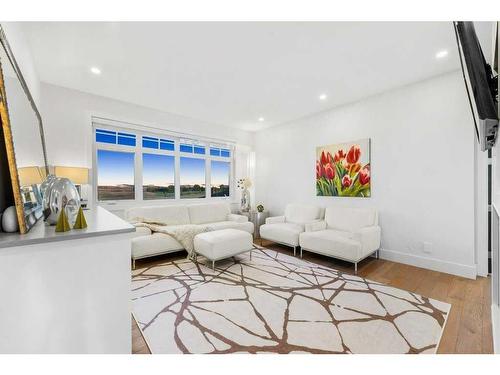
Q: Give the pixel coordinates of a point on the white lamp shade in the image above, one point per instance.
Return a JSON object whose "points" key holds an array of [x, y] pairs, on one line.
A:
{"points": [[29, 176], [77, 175]]}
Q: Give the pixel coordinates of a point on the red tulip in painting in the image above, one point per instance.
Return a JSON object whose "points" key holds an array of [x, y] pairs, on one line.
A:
{"points": [[343, 170]]}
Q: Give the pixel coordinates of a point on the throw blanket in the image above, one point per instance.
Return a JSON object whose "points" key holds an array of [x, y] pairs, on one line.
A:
{"points": [[184, 234]]}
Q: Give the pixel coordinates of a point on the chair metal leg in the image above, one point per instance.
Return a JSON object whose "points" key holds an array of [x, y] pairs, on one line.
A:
{"points": [[133, 263], [378, 254], [250, 254], [301, 252], [356, 268], [294, 250], [213, 265]]}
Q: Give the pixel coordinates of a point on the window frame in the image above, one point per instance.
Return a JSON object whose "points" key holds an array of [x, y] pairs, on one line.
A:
{"points": [[138, 150]]}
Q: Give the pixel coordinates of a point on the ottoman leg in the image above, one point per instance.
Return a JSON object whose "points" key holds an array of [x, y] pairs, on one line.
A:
{"points": [[213, 265], [250, 254]]}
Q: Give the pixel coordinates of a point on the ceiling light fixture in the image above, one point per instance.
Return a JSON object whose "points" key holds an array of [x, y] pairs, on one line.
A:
{"points": [[441, 54], [261, 119], [95, 70], [322, 97]]}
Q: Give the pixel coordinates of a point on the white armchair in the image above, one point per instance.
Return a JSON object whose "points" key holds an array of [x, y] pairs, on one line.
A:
{"points": [[287, 228], [350, 234]]}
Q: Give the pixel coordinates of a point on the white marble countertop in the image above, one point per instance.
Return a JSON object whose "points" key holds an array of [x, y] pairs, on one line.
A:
{"points": [[100, 222]]}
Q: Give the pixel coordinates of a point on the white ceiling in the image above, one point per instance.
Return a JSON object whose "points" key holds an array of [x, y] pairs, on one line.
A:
{"points": [[234, 73]]}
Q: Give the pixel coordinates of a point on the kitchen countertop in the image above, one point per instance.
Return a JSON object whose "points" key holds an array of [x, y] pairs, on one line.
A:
{"points": [[100, 222]]}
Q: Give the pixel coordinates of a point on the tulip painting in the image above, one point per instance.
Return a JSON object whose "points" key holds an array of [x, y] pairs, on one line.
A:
{"points": [[343, 170]]}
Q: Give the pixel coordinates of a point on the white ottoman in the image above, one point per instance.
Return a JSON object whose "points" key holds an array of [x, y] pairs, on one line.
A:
{"points": [[222, 244]]}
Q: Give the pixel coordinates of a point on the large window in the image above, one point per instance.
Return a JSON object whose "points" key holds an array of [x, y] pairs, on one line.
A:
{"points": [[158, 176], [166, 167], [192, 178], [115, 178], [220, 174]]}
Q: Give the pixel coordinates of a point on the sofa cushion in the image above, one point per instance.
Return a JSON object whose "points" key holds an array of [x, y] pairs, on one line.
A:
{"points": [[170, 215], [301, 213], [350, 219], [245, 226], [142, 231], [335, 243], [157, 243], [287, 233], [208, 212]]}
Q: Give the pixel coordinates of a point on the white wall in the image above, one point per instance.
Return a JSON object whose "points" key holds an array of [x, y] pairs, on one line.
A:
{"points": [[20, 48], [68, 129], [422, 169]]}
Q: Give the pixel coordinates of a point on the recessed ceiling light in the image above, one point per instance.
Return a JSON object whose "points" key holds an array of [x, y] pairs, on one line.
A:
{"points": [[95, 70], [441, 54], [261, 119], [323, 97]]}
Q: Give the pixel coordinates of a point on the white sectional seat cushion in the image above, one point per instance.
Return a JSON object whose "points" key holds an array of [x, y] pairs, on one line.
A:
{"points": [[222, 243], [246, 226], [157, 243], [142, 231], [208, 212], [336, 243], [286, 233], [169, 215]]}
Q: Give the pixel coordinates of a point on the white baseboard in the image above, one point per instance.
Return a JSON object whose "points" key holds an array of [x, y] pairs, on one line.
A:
{"points": [[495, 323], [463, 270]]}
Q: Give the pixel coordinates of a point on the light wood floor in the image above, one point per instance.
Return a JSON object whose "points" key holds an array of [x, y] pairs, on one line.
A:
{"points": [[468, 329]]}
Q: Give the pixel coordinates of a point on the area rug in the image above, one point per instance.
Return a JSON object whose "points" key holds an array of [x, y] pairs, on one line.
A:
{"points": [[275, 303]]}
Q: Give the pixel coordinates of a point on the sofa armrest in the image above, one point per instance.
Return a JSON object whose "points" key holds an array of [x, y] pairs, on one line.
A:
{"points": [[275, 219], [315, 226], [369, 237], [237, 218]]}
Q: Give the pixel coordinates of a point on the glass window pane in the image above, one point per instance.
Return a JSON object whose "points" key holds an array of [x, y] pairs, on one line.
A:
{"points": [[219, 175], [158, 178], [225, 153], [214, 151], [199, 150], [166, 144], [126, 139], [115, 175], [186, 148], [192, 176], [105, 136], [150, 142]]}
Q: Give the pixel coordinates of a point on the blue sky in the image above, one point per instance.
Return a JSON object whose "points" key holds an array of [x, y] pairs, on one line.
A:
{"points": [[158, 169], [220, 173], [192, 171], [115, 168]]}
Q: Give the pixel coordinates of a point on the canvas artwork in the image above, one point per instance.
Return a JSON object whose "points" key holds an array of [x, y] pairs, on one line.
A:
{"points": [[343, 169]]}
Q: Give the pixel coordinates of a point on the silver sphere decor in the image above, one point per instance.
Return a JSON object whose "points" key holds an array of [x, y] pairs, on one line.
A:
{"points": [[9, 220], [61, 194]]}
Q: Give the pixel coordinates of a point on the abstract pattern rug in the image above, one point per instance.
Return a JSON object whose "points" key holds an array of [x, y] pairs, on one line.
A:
{"points": [[275, 303]]}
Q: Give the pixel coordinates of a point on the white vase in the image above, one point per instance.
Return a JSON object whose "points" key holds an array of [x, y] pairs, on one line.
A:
{"points": [[245, 200]]}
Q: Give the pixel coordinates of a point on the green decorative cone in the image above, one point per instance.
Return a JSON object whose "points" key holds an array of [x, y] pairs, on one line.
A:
{"points": [[80, 222], [62, 222]]}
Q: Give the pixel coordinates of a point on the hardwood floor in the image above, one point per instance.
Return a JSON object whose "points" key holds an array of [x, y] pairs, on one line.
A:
{"points": [[468, 329]]}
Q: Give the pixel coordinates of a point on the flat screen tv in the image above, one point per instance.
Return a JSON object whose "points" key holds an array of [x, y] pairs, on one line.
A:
{"points": [[480, 83]]}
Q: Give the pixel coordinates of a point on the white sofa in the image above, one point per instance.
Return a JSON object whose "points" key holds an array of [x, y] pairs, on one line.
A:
{"points": [[217, 215], [351, 234], [287, 228]]}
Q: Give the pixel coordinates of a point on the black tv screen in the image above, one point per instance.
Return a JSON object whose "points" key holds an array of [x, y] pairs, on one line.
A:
{"points": [[480, 84]]}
